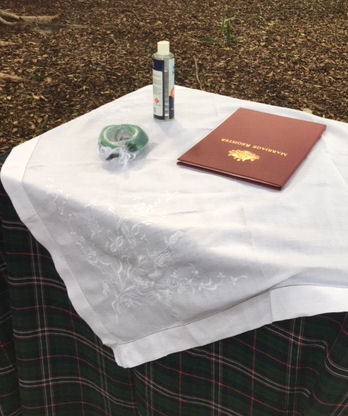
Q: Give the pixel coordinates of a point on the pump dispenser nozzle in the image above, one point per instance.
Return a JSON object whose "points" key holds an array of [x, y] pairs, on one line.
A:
{"points": [[163, 47]]}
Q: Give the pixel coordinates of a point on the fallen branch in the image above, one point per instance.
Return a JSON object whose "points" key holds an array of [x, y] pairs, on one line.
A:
{"points": [[7, 23], [10, 19], [197, 76], [11, 77], [39, 19], [10, 15], [6, 43]]}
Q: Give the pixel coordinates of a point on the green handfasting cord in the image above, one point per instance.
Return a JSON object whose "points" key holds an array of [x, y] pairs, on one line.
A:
{"points": [[122, 141]]}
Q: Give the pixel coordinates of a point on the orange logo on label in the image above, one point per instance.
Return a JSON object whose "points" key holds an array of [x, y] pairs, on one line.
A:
{"points": [[157, 100]]}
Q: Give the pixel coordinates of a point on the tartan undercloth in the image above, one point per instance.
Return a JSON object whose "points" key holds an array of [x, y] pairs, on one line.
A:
{"points": [[51, 363]]}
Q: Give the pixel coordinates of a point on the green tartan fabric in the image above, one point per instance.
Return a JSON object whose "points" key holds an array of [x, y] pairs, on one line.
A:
{"points": [[51, 363]]}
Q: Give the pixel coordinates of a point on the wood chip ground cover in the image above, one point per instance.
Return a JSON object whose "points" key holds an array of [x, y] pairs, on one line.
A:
{"points": [[287, 53]]}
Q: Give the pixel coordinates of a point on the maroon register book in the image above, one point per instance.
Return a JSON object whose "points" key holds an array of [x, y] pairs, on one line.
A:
{"points": [[256, 146]]}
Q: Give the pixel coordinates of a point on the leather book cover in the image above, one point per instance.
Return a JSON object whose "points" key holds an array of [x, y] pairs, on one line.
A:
{"points": [[255, 146]]}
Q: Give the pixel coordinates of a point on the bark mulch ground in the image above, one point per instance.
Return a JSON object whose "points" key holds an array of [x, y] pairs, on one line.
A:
{"points": [[281, 52]]}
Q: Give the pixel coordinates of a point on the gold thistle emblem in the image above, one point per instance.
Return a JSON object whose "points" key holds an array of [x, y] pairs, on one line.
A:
{"points": [[243, 155]]}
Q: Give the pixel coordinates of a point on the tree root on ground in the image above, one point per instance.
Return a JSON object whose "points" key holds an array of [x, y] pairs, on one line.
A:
{"points": [[11, 19], [10, 77]]}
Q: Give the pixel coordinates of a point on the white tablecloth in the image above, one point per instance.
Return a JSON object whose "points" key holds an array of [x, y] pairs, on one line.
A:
{"points": [[158, 258]]}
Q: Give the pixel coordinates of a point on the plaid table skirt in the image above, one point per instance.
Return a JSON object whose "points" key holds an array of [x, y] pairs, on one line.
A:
{"points": [[51, 363]]}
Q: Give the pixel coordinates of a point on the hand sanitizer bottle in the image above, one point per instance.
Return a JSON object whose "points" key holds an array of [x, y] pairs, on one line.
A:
{"points": [[163, 70]]}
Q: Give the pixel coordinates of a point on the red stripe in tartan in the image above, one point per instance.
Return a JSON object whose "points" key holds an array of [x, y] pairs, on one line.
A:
{"points": [[319, 343], [261, 378], [77, 402], [339, 324], [45, 307], [47, 393], [253, 375], [344, 406], [78, 367], [212, 386], [27, 254], [201, 401], [130, 379], [3, 396], [70, 381], [180, 382], [338, 335], [227, 387], [75, 358], [97, 346], [273, 358]]}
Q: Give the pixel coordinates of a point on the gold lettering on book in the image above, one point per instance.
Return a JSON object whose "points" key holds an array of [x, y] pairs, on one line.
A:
{"points": [[236, 142], [267, 149], [254, 146], [243, 155]]}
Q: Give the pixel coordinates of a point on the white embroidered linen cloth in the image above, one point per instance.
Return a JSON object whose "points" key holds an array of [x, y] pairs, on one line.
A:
{"points": [[158, 258]]}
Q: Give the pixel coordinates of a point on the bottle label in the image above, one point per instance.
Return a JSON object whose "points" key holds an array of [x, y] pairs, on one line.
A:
{"points": [[158, 88], [171, 81], [163, 88]]}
